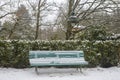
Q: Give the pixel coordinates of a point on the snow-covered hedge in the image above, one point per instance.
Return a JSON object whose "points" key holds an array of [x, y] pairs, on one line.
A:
{"points": [[103, 53], [14, 53]]}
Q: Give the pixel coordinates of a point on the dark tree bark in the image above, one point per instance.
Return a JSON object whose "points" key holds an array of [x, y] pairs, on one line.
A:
{"points": [[38, 20], [69, 26]]}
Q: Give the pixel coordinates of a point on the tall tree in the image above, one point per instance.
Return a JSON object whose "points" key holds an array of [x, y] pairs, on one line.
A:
{"points": [[21, 24], [83, 9], [109, 17], [38, 13]]}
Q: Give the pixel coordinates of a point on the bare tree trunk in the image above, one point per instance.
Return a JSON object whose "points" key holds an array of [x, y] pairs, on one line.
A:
{"points": [[68, 32], [41, 7], [38, 21], [69, 26]]}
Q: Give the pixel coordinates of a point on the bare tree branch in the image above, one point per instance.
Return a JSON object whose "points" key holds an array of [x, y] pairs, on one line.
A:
{"points": [[31, 5], [76, 4], [88, 12], [88, 8], [4, 4], [6, 15]]}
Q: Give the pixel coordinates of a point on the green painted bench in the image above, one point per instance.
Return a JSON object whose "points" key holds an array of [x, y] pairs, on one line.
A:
{"points": [[56, 58]]}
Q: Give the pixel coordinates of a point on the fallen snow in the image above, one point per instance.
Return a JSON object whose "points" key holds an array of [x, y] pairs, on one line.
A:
{"points": [[60, 74]]}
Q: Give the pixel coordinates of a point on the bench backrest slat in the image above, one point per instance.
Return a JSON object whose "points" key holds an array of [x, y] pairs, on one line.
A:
{"points": [[53, 54]]}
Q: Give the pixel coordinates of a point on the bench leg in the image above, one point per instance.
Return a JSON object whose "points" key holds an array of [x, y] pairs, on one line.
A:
{"points": [[79, 69], [36, 70]]}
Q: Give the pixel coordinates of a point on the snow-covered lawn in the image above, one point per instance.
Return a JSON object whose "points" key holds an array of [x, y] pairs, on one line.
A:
{"points": [[60, 74]]}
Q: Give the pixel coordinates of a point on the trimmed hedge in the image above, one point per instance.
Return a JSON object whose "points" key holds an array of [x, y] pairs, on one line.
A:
{"points": [[14, 53], [103, 53]]}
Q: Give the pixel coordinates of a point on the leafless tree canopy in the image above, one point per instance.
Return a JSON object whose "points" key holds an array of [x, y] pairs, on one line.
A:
{"points": [[29, 19], [85, 10]]}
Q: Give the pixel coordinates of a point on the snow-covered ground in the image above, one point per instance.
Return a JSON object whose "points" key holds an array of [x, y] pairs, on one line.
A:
{"points": [[60, 74]]}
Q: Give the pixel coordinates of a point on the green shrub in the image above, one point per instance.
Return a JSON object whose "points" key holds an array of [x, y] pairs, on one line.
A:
{"points": [[14, 53], [103, 53]]}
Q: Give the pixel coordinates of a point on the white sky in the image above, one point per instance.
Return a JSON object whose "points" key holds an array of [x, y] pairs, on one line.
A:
{"points": [[15, 5]]}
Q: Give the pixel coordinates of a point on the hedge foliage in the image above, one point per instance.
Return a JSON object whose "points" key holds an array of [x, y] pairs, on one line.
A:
{"points": [[14, 53]]}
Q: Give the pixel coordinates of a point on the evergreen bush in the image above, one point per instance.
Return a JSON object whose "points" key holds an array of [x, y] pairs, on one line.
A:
{"points": [[14, 53]]}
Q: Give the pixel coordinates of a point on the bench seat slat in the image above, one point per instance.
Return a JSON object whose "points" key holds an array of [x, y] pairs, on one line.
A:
{"points": [[63, 64]]}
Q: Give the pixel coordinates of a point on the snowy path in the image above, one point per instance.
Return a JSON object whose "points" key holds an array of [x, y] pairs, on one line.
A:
{"points": [[60, 74]]}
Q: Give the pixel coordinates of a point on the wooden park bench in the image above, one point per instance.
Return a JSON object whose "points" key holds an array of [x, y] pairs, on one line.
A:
{"points": [[56, 58]]}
